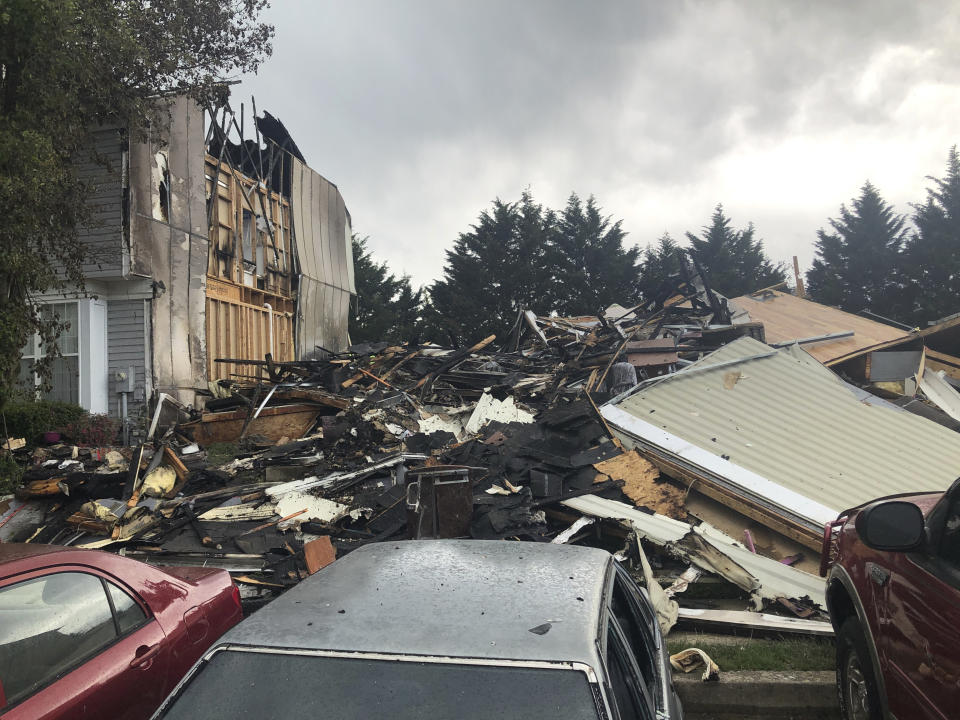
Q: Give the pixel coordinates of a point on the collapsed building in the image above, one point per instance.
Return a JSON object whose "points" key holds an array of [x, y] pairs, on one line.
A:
{"points": [[203, 244], [701, 438]]}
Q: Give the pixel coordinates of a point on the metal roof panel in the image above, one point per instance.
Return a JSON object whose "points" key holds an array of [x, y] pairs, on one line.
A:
{"points": [[785, 417]]}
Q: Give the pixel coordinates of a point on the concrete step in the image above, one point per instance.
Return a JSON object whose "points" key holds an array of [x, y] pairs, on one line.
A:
{"points": [[810, 695]]}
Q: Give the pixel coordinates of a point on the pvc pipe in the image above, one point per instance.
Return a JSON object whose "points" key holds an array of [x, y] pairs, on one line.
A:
{"points": [[269, 307]]}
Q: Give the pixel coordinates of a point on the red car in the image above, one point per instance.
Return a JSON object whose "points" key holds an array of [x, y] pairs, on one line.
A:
{"points": [[893, 591], [94, 636]]}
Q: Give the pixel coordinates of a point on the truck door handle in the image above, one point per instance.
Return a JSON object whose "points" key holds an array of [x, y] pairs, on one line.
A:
{"points": [[879, 575], [144, 655]]}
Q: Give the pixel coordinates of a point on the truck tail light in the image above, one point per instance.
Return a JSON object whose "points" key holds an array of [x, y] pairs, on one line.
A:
{"points": [[829, 549]]}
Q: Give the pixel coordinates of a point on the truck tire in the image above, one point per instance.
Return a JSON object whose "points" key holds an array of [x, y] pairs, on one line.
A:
{"points": [[856, 682]]}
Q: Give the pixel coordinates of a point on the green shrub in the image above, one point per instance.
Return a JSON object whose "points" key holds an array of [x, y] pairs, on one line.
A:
{"points": [[29, 419], [10, 473]]}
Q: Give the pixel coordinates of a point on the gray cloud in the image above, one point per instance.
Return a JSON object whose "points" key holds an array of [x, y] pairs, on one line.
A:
{"points": [[423, 111]]}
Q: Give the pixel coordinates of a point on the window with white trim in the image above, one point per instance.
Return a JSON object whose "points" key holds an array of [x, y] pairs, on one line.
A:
{"points": [[65, 370]]}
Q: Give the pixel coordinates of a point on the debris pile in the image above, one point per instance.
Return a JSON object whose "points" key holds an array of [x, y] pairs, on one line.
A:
{"points": [[666, 433]]}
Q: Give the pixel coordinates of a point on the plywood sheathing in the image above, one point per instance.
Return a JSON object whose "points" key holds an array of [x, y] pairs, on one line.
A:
{"points": [[642, 484], [786, 317]]}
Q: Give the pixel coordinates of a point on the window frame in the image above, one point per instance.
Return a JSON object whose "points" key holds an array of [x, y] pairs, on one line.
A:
{"points": [[929, 558], [104, 579], [639, 603], [636, 688], [38, 352]]}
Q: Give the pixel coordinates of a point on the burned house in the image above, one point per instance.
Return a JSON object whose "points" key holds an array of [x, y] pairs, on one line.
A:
{"points": [[203, 245]]}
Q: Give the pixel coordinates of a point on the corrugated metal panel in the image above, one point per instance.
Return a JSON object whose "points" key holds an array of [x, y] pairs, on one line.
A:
{"points": [[774, 579], [786, 418], [940, 392], [321, 227]]}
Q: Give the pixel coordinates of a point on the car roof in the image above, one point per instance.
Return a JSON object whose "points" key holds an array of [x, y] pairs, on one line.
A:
{"points": [[447, 598]]}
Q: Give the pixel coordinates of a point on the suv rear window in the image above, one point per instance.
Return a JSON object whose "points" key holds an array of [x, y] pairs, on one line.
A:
{"points": [[234, 684]]}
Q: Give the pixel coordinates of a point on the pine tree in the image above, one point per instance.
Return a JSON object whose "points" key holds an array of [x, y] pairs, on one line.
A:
{"points": [[734, 262], [499, 267], [856, 265], [660, 262], [592, 269], [386, 307], [932, 256]]}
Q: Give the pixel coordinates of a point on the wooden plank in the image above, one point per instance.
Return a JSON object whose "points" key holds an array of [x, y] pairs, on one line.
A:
{"points": [[173, 461], [313, 395], [40, 488], [454, 359], [319, 553], [936, 365], [291, 421]]}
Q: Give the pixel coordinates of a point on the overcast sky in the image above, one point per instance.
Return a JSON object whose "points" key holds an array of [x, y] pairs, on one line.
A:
{"points": [[424, 111]]}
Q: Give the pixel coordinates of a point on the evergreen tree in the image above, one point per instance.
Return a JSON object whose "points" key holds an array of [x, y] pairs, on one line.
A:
{"points": [[660, 262], [734, 262], [592, 269], [932, 256], [856, 265], [497, 269], [386, 307]]}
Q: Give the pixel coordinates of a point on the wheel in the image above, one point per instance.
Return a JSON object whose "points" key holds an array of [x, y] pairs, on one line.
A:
{"points": [[856, 683]]}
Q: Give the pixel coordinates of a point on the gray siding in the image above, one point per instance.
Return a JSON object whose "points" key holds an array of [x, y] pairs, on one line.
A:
{"points": [[126, 347], [103, 235]]}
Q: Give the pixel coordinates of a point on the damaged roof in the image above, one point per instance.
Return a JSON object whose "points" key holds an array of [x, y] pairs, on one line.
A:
{"points": [[456, 598], [780, 428], [786, 317]]}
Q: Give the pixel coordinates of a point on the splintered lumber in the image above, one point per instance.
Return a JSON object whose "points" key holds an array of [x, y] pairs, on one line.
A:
{"points": [[314, 395], [41, 488], [378, 379], [273, 423], [173, 461], [376, 364], [84, 522], [409, 356], [454, 359], [247, 580]]}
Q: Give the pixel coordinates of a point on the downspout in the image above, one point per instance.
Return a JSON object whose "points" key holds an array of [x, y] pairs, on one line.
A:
{"points": [[269, 308]]}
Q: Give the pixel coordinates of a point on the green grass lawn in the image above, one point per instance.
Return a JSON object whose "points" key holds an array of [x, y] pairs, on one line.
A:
{"points": [[220, 453], [789, 653]]}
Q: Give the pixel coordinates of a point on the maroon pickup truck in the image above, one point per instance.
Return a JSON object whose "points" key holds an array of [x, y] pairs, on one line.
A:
{"points": [[893, 591]]}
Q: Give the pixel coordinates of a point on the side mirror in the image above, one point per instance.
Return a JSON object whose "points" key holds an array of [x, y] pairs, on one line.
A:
{"points": [[891, 525]]}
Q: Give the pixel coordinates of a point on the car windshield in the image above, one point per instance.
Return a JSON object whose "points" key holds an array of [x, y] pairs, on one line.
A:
{"points": [[234, 684]]}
